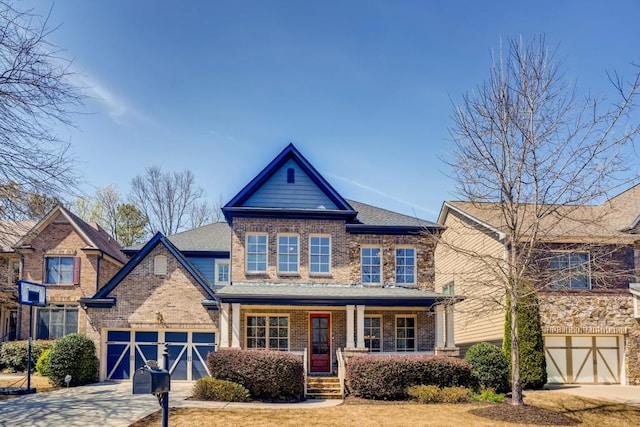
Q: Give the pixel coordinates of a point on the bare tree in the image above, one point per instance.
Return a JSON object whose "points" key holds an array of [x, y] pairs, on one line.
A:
{"points": [[36, 95], [531, 154], [171, 201]]}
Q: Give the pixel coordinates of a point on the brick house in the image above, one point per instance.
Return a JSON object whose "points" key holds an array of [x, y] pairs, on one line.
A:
{"points": [[296, 267], [587, 265]]}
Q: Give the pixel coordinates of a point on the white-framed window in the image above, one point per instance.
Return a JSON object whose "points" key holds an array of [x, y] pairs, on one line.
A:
{"points": [[56, 321], [371, 264], [62, 270], [222, 271], [319, 254], [373, 333], [406, 266], [570, 270], [267, 332], [405, 333], [256, 252], [449, 288], [288, 253]]}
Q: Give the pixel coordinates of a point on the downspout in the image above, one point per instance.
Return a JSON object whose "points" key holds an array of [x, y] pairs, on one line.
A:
{"points": [[98, 262]]}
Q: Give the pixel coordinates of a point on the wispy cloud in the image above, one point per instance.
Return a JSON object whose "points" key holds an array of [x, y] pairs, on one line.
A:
{"points": [[381, 193]]}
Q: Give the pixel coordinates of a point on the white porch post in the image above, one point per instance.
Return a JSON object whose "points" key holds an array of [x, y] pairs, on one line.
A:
{"points": [[350, 343], [235, 325], [450, 343], [439, 326], [223, 342], [360, 326]]}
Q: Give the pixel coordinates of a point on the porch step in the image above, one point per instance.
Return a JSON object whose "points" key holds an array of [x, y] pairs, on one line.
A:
{"points": [[323, 388]]}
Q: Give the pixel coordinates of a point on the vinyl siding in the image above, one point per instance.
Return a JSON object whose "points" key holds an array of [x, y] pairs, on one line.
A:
{"points": [[481, 316], [206, 266]]}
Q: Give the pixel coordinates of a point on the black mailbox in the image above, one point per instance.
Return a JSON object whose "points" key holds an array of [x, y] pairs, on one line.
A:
{"points": [[147, 380]]}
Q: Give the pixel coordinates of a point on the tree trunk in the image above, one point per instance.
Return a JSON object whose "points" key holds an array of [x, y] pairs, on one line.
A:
{"points": [[516, 388]]}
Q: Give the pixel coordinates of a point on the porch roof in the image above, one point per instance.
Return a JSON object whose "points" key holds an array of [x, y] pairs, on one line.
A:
{"points": [[329, 294]]}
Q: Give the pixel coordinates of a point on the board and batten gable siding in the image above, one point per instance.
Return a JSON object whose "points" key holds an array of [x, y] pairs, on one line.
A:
{"points": [[206, 267], [480, 317], [276, 192]]}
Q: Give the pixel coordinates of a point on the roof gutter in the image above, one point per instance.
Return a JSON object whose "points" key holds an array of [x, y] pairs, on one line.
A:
{"points": [[447, 206]]}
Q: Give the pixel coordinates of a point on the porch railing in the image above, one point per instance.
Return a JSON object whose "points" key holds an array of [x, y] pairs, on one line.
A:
{"points": [[341, 370]]}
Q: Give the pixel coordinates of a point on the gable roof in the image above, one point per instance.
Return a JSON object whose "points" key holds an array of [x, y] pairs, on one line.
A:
{"points": [[11, 232], [93, 235], [102, 299], [238, 205]]}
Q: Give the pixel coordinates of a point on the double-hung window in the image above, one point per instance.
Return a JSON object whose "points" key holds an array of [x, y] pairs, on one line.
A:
{"points": [[405, 266], [288, 253], [62, 270], [405, 333], [570, 270], [222, 271], [268, 332], [256, 253], [56, 321], [373, 333], [371, 265], [319, 254]]}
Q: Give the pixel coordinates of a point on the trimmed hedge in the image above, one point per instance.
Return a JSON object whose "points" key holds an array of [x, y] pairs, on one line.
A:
{"points": [[74, 355], [221, 390], [272, 375], [435, 394], [388, 377], [13, 354], [489, 366]]}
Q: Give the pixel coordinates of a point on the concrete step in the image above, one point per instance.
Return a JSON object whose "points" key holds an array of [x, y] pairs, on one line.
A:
{"points": [[324, 395]]}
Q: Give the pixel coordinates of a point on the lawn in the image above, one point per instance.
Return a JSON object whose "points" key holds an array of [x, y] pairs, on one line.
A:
{"points": [[543, 408], [41, 384]]}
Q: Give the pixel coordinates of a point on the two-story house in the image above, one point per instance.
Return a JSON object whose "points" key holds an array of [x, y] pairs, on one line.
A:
{"points": [[586, 266], [296, 267]]}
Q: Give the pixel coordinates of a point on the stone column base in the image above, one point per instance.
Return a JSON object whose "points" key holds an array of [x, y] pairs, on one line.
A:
{"points": [[448, 351]]}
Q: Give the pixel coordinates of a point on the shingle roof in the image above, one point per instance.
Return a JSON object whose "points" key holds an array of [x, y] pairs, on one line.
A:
{"points": [[99, 237], [215, 237], [11, 232], [372, 215]]}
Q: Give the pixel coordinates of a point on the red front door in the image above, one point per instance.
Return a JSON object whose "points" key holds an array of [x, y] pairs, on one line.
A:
{"points": [[320, 343]]}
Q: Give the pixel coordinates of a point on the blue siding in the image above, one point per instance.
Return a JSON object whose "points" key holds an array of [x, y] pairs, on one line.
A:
{"points": [[277, 193], [206, 267]]}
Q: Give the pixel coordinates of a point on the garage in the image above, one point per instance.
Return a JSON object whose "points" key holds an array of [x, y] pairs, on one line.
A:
{"points": [[580, 359], [128, 349]]}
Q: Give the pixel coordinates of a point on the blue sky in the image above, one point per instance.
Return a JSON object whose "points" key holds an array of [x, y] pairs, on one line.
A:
{"points": [[364, 89]]}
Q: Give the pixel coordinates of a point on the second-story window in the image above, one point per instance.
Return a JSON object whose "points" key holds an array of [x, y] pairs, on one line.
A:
{"points": [[406, 266], [256, 251], [288, 253], [62, 270], [371, 264], [570, 270], [222, 272], [319, 254]]}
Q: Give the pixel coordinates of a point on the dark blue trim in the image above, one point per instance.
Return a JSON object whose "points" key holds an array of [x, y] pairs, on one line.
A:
{"points": [[98, 303], [332, 301], [389, 229], [205, 254], [146, 249], [241, 212], [290, 152]]}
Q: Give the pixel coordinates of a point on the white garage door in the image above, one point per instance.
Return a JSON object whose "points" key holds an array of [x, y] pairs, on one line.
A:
{"points": [[583, 359], [127, 350]]}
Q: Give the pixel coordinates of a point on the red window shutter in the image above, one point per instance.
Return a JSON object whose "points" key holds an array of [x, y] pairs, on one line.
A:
{"points": [[76, 270]]}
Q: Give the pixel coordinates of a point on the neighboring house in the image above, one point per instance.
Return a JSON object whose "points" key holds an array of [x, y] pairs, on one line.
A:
{"points": [[296, 268], [587, 265], [73, 259]]}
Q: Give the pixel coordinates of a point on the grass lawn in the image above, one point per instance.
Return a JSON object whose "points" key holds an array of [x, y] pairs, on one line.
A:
{"points": [[543, 408], [41, 384]]}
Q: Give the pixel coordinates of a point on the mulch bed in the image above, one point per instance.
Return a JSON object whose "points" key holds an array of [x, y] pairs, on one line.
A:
{"points": [[508, 413]]}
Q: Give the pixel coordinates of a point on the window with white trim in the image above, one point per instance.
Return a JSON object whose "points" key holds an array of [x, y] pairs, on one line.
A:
{"points": [[256, 253], [570, 270], [222, 271], [371, 264], [288, 253], [405, 333], [406, 266], [61, 270], [319, 254], [56, 321], [373, 333], [449, 288], [268, 332]]}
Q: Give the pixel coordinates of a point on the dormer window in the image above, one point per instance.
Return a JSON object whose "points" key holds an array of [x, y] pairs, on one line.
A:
{"points": [[291, 176]]}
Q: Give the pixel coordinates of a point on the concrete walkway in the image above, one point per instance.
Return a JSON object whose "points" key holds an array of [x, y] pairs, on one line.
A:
{"points": [[111, 404], [627, 394]]}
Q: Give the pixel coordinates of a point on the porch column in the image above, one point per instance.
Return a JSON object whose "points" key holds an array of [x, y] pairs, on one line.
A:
{"points": [[350, 343], [235, 325], [439, 326], [360, 326], [450, 343], [223, 342]]}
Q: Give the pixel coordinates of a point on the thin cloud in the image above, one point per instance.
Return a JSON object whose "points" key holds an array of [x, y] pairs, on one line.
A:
{"points": [[381, 193]]}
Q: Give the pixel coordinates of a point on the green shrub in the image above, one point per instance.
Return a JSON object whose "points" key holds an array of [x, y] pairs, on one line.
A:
{"points": [[489, 395], [489, 366], [221, 390], [273, 375], [43, 362], [424, 393], [388, 377], [74, 355], [13, 354], [455, 395]]}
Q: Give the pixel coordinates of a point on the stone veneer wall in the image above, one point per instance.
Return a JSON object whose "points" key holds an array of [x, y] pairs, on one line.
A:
{"points": [[595, 315]]}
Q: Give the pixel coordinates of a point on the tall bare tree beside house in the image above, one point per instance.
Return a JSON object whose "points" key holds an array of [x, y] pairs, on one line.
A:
{"points": [[36, 96], [532, 153]]}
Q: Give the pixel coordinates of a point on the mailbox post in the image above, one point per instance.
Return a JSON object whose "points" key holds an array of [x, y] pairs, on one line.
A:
{"points": [[152, 380]]}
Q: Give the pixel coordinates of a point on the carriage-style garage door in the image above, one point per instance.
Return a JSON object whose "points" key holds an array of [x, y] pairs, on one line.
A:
{"points": [[583, 359], [127, 350]]}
